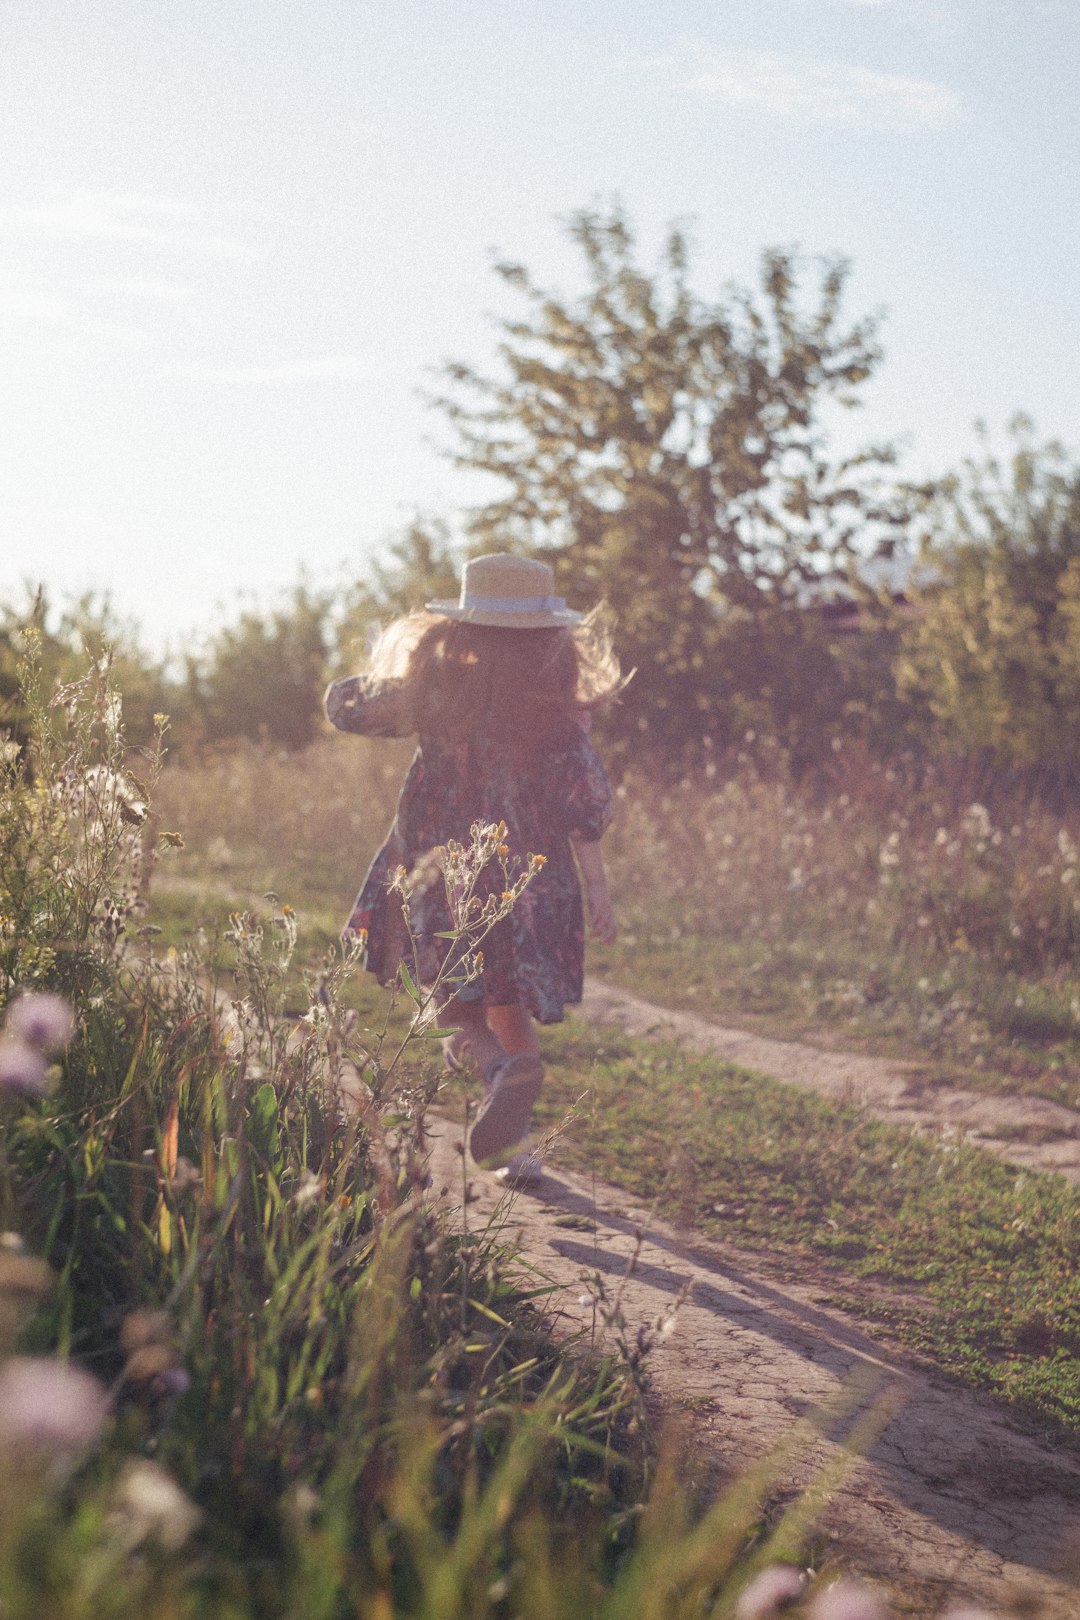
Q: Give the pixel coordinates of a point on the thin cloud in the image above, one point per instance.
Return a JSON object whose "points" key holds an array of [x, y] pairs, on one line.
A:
{"points": [[152, 289], [322, 368], [811, 89], [125, 217]]}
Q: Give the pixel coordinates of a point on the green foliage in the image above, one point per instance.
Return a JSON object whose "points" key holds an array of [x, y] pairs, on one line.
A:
{"points": [[994, 650], [75, 855], [669, 454], [263, 676]]}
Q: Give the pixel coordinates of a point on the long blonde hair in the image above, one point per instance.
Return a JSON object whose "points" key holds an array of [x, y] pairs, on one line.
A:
{"points": [[512, 688]]}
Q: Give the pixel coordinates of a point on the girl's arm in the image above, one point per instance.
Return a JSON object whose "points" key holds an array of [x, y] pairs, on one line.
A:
{"points": [[585, 816], [602, 925], [368, 707]]}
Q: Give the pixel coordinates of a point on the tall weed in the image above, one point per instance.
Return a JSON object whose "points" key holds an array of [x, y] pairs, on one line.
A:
{"points": [[220, 1212]]}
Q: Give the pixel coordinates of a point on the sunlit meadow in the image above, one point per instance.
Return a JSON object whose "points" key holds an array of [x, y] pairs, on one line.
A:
{"points": [[904, 914], [247, 1366]]}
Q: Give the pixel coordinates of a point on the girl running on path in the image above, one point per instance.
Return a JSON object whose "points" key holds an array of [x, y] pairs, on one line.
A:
{"points": [[500, 686]]}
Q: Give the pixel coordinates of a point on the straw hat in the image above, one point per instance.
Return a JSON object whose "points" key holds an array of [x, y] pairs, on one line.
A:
{"points": [[511, 591]]}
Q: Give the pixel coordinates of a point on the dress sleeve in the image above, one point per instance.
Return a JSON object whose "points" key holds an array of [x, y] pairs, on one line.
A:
{"points": [[369, 708], [589, 804]]}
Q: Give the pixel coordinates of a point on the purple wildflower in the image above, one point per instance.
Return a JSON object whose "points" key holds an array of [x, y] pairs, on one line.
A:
{"points": [[769, 1592], [848, 1600], [49, 1407], [44, 1021], [175, 1382], [23, 1070]]}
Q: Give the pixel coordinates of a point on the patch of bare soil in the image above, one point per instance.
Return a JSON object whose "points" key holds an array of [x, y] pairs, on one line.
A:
{"points": [[1028, 1131], [949, 1501]]}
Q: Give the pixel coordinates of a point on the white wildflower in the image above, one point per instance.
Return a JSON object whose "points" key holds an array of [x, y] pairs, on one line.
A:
{"points": [[769, 1592]]}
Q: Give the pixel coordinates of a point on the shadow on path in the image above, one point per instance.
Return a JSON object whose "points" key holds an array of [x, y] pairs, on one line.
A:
{"points": [[950, 1456]]}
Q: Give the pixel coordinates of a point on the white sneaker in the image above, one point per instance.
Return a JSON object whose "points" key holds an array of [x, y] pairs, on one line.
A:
{"points": [[525, 1169]]}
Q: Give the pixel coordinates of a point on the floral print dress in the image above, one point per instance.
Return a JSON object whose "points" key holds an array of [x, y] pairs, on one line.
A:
{"points": [[535, 957]]}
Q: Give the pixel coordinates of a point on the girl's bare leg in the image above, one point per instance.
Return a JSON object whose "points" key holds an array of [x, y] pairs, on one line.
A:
{"points": [[492, 1032], [513, 1028], [468, 1016]]}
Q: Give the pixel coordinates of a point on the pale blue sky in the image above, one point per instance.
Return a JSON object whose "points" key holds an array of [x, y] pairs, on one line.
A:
{"points": [[237, 234]]}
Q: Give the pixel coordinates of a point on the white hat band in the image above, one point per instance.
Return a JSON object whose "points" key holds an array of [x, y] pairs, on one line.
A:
{"points": [[512, 604]]}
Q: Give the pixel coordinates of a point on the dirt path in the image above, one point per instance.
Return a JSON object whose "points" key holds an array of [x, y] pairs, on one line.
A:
{"points": [[1028, 1131], [950, 1500]]}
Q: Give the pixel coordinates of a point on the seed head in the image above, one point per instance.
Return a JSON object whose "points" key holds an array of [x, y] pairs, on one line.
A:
{"points": [[150, 1506]]}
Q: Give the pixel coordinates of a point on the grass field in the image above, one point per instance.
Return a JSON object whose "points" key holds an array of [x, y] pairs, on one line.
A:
{"points": [[973, 1265], [906, 923]]}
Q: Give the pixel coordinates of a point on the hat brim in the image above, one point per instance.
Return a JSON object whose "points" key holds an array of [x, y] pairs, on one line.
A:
{"points": [[546, 619]]}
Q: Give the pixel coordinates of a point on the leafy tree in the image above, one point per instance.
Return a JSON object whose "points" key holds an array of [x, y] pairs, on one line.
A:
{"points": [[262, 677], [669, 454], [995, 649]]}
